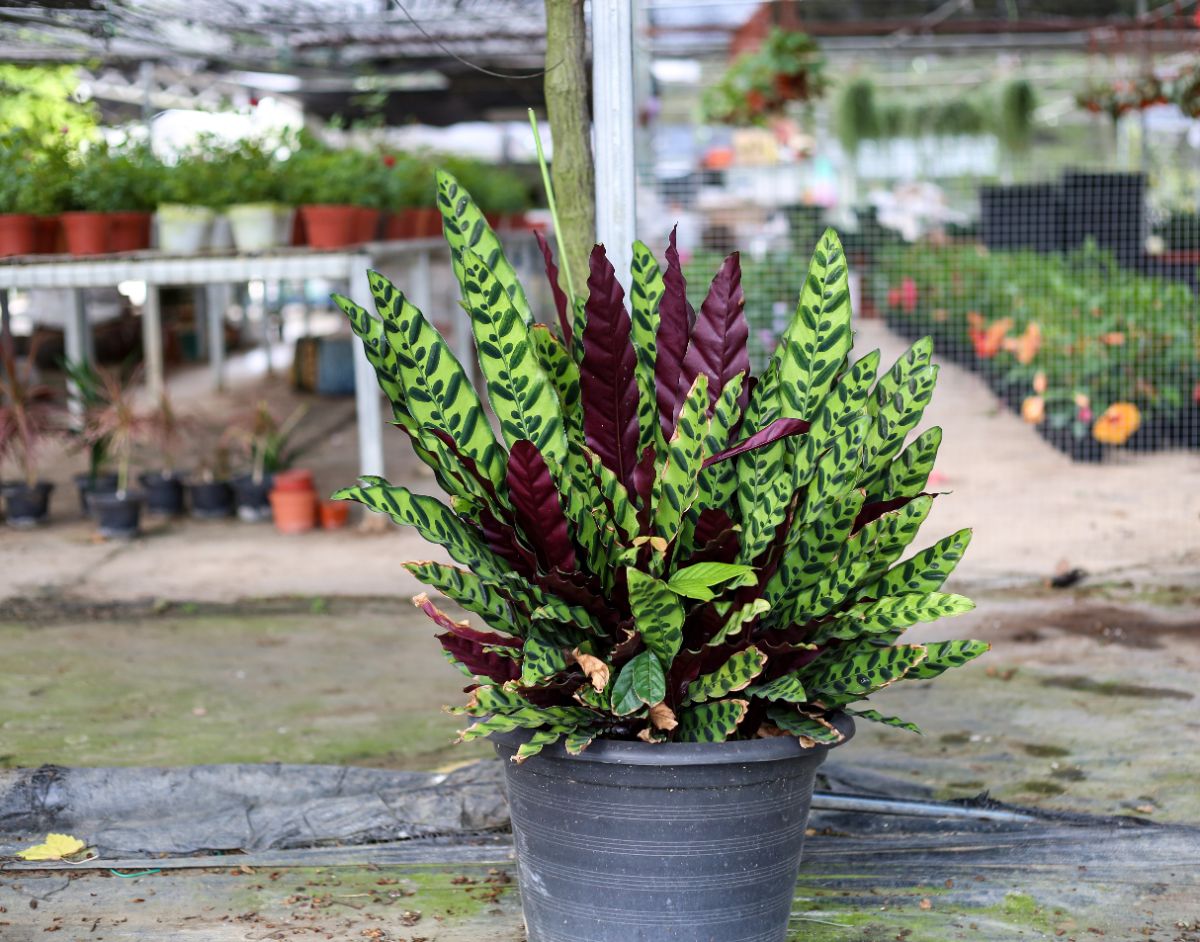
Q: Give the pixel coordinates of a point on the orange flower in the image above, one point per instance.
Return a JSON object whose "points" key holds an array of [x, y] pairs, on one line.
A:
{"points": [[1039, 382], [1115, 338], [1033, 410], [1028, 344], [1117, 423], [989, 341]]}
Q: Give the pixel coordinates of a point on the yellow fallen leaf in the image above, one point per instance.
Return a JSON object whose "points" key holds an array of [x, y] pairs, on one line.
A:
{"points": [[56, 847]]}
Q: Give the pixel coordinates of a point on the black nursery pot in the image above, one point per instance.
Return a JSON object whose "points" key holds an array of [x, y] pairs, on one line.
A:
{"points": [[118, 516], [687, 842], [26, 506], [253, 500], [211, 499], [163, 493], [87, 485]]}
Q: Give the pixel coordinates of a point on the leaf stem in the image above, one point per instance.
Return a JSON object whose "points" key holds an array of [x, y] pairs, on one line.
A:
{"points": [[565, 266]]}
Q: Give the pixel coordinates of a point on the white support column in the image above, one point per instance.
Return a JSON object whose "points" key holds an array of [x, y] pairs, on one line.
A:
{"points": [[77, 345], [612, 106], [366, 387], [152, 342], [216, 303]]}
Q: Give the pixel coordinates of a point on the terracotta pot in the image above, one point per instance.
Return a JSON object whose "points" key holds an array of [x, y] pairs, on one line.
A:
{"points": [[294, 511], [493, 220], [47, 235], [329, 227], [18, 234], [333, 514], [87, 233], [366, 224], [129, 231], [429, 223], [297, 479], [401, 224]]}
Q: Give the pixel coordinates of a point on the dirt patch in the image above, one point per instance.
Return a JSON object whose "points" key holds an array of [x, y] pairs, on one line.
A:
{"points": [[1110, 688], [1129, 626]]}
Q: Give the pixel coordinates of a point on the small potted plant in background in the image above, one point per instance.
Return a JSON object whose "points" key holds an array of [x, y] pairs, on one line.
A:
{"points": [[89, 390], [133, 178], [185, 216], [118, 423], [250, 175], [406, 187], [33, 183], [86, 221], [689, 579], [30, 414], [210, 495], [268, 446], [163, 486], [323, 184]]}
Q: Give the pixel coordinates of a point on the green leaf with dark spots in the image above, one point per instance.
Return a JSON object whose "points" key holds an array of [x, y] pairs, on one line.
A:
{"points": [[711, 722], [943, 655], [641, 683], [657, 614], [735, 674]]}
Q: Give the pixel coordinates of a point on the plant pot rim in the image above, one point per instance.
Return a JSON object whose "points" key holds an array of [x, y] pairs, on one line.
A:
{"points": [[670, 754], [257, 205], [113, 498]]}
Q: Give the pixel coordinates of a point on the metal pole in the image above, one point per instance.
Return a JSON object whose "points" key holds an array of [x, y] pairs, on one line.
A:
{"points": [[366, 387], [152, 342], [76, 345], [612, 106], [216, 303]]}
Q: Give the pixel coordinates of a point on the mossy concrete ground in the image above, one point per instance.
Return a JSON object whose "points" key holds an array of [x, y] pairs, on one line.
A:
{"points": [[1082, 705]]}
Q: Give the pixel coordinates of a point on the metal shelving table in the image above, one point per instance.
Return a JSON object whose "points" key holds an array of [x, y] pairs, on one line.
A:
{"points": [[217, 273]]}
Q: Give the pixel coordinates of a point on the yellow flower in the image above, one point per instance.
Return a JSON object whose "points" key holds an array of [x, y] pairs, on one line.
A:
{"points": [[1033, 410], [1117, 423]]}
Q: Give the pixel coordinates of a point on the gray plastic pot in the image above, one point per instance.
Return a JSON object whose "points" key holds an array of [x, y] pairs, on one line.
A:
{"points": [[630, 842]]}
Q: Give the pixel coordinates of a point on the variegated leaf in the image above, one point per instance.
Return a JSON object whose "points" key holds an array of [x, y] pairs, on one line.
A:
{"points": [[857, 671], [838, 469], [677, 484], [471, 592], [924, 572], [645, 293], [909, 474], [657, 614], [434, 521], [784, 689], [943, 655], [537, 742], [875, 716], [896, 407], [736, 619], [815, 345], [811, 550], [541, 658], [369, 330], [890, 616], [735, 674], [519, 389], [563, 372], [764, 493], [467, 231], [711, 722], [811, 730], [579, 739]]}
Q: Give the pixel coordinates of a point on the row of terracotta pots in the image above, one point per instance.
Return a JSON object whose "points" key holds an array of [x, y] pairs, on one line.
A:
{"points": [[76, 233]]}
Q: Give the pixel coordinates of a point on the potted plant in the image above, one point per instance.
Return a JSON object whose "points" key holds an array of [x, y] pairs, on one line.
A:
{"points": [[33, 182], [268, 445], [251, 184], [759, 85], [120, 424], [86, 222], [89, 391], [323, 183], [163, 486], [185, 216], [688, 579], [210, 497], [133, 176], [30, 413]]}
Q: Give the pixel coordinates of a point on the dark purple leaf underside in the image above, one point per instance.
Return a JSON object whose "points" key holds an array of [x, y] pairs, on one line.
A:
{"points": [[561, 302], [537, 508], [470, 647], [502, 540], [607, 375], [874, 511], [780, 428], [717, 346], [643, 486], [675, 317]]}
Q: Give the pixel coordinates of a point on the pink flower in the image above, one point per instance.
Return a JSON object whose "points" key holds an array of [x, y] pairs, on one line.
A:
{"points": [[1085, 414], [908, 295], [389, 160]]}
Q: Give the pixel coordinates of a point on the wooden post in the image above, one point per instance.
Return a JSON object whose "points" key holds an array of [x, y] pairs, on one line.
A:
{"points": [[572, 169]]}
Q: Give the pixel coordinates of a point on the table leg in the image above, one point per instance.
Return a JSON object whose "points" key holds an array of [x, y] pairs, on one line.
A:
{"points": [[152, 342], [216, 304], [77, 345], [366, 388]]}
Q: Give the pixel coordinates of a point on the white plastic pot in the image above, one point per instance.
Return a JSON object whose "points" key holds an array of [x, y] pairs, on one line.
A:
{"points": [[255, 226], [183, 230]]}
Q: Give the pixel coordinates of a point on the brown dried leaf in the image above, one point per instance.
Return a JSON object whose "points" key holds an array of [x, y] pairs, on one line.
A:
{"points": [[662, 717], [596, 670]]}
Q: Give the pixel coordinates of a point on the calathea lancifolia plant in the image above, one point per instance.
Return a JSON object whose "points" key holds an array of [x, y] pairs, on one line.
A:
{"points": [[661, 546]]}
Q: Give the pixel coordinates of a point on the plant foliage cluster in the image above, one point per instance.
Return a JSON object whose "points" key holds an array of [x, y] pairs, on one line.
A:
{"points": [[788, 67], [662, 546], [1076, 331]]}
